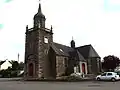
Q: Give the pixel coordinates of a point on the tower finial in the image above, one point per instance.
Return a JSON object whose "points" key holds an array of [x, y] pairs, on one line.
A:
{"points": [[26, 27], [51, 27], [72, 37], [39, 9]]}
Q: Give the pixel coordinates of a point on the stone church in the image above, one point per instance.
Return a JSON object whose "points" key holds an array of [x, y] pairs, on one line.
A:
{"points": [[46, 59]]}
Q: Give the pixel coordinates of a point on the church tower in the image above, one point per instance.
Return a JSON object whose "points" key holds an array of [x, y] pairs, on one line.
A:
{"points": [[37, 44]]}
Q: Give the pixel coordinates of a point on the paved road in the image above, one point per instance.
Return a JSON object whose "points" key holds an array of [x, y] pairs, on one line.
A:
{"points": [[22, 85]]}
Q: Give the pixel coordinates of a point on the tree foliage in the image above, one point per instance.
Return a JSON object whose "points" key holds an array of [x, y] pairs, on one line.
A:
{"points": [[15, 65], [110, 62], [14, 70], [21, 65]]}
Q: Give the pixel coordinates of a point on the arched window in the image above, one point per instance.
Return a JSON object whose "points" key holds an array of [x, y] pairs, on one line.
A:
{"points": [[66, 62], [45, 40]]}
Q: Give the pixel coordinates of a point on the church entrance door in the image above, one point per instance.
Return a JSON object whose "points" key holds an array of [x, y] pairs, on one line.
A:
{"points": [[31, 69], [83, 68]]}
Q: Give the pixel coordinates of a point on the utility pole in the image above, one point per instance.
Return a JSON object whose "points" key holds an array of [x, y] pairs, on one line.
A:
{"points": [[18, 57]]}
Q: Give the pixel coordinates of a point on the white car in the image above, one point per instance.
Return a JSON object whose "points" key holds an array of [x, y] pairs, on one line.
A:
{"points": [[108, 76]]}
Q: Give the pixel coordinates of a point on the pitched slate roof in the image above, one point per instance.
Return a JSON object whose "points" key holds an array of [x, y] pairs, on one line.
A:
{"points": [[62, 49], [80, 56], [87, 51], [66, 51], [58, 51]]}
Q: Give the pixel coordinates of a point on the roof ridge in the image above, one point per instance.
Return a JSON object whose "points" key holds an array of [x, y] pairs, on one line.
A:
{"points": [[62, 44], [84, 45]]}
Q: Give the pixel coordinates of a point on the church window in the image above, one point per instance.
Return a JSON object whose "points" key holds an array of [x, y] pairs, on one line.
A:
{"points": [[98, 60], [66, 62], [61, 50], [45, 40]]}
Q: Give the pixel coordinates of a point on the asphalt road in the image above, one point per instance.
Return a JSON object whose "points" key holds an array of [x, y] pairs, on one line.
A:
{"points": [[91, 85]]}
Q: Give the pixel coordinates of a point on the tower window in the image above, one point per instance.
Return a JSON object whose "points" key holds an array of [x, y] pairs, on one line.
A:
{"points": [[45, 40]]}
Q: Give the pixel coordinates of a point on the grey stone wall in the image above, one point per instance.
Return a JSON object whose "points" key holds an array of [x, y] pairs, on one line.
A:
{"points": [[89, 66], [43, 52], [35, 46], [60, 65], [51, 64], [94, 66], [31, 45]]}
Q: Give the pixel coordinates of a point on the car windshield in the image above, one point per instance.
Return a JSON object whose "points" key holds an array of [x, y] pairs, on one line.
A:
{"points": [[103, 74]]}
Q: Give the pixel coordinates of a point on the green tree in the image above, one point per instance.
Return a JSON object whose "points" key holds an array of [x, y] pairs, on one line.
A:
{"points": [[21, 65], [12, 71], [15, 65], [110, 62]]}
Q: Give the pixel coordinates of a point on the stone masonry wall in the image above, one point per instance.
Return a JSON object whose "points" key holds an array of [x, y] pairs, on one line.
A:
{"points": [[43, 53], [31, 45], [60, 65]]}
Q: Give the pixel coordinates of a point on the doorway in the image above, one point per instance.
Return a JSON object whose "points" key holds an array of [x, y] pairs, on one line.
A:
{"points": [[31, 69], [83, 68]]}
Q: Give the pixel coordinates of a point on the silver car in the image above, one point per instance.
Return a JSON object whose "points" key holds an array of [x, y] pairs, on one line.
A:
{"points": [[108, 76]]}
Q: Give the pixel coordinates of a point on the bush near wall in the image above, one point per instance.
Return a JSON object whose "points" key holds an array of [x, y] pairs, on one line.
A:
{"points": [[69, 78]]}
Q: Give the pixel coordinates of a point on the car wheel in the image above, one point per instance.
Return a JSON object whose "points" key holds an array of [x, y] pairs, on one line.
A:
{"points": [[98, 79], [113, 79]]}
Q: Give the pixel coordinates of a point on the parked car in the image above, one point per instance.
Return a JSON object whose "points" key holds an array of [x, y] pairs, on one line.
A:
{"points": [[108, 76], [0, 75]]}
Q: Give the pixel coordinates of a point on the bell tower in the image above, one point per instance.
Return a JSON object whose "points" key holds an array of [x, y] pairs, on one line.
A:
{"points": [[38, 41]]}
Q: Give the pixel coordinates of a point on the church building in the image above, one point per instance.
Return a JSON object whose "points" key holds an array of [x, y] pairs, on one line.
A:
{"points": [[46, 59]]}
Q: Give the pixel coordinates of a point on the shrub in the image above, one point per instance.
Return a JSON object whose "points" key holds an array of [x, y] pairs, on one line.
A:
{"points": [[73, 78]]}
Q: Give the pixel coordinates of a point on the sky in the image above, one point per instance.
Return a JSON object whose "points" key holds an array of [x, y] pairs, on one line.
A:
{"points": [[95, 22]]}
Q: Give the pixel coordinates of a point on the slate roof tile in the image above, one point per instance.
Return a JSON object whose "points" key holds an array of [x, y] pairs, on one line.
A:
{"points": [[87, 51]]}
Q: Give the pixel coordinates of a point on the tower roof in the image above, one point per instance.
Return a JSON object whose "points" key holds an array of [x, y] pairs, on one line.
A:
{"points": [[39, 13], [72, 41]]}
